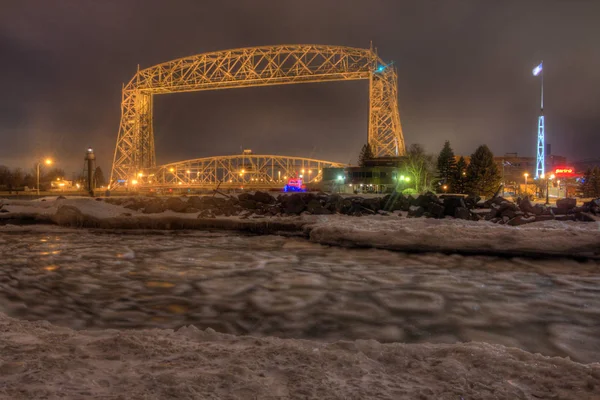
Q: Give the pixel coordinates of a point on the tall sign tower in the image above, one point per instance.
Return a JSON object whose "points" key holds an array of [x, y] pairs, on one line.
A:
{"points": [[540, 164]]}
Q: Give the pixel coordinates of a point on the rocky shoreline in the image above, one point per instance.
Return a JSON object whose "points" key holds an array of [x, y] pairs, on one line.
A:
{"points": [[496, 210]]}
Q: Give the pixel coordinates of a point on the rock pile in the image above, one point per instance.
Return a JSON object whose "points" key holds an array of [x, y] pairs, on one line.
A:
{"points": [[496, 210]]}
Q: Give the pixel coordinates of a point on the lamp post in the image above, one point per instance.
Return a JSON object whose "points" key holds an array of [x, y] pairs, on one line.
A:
{"points": [[547, 187], [525, 175], [47, 161]]}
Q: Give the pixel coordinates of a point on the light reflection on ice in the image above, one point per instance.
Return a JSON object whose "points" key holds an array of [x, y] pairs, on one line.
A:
{"points": [[289, 287]]}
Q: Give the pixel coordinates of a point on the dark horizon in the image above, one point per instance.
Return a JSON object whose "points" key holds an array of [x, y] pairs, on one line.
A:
{"points": [[464, 75]]}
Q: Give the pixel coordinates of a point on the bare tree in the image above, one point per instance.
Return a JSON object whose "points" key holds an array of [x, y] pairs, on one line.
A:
{"points": [[420, 167]]}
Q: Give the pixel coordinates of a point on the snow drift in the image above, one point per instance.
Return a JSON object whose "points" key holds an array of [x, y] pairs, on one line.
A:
{"points": [[565, 238], [39, 360]]}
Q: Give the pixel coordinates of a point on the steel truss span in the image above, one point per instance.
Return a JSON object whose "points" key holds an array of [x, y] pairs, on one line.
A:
{"points": [[255, 66], [255, 171]]}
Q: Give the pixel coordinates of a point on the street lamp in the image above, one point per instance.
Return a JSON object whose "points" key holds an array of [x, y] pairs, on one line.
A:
{"points": [[525, 175], [547, 182], [47, 161]]}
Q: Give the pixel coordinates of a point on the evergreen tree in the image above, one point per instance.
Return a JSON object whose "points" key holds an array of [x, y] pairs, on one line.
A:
{"points": [[99, 177], [586, 184], [483, 177], [446, 166], [592, 183], [366, 153], [459, 179]]}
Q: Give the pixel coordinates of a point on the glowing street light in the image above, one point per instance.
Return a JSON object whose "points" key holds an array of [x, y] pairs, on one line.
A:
{"points": [[445, 187], [171, 169], [140, 174], [47, 161], [134, 182], [547, 186], [525, 175]]}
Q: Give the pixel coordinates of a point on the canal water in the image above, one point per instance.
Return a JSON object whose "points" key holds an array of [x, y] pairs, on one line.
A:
{"points": [[292, 288]]}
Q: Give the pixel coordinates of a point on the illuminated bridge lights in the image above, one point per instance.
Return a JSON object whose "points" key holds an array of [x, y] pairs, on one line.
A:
{"points": [[254, 66]]}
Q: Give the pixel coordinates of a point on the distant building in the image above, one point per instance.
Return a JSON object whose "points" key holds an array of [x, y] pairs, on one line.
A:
{"points": [[375, 179]]}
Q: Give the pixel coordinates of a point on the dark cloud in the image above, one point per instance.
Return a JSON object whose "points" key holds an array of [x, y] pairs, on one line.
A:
{"points": [[464, 75]]}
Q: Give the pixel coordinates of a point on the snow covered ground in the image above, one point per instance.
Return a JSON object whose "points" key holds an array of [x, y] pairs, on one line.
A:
{"points": [[289, 287], [385, 232], [276, 292], [39, 360]]}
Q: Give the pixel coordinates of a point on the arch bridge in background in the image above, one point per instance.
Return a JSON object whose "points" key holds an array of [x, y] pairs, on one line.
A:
{"points": [[247, 67], [236, 171]]}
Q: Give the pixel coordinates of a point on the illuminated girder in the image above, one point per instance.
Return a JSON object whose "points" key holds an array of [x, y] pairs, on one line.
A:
{"points": [[244, 170], [256, 66]]}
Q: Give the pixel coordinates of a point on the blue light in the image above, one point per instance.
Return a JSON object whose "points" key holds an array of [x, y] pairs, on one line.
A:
{"points": [[381, 68], [536, 71]]}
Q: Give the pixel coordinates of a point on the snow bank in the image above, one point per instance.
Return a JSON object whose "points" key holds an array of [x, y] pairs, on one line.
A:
{"points": [[456, 235], [39, 360], [386, 232]]}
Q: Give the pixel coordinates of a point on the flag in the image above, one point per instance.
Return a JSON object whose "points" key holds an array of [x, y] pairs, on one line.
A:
{"points": [[537, 70]]}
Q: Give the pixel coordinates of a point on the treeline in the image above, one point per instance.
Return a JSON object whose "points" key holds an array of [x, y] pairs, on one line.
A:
{"points": [[17, 179], [446, 173], [480, 176], [590, 184]]}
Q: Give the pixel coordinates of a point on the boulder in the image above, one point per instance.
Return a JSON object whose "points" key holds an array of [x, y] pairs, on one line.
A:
{"points": [[567, 203], [313, 205], [451, 203], [526, 206], [176, 204], [263, 197], [194, 201], [373, 204], [520, 220], [558, 211], [471, 201], [538, 209], [494, 200], [154, 206], [539, 218], [245, 196], [248, 204], [424, 200], [293, 204], [416, 211], [436, 210], [68, 216], [462, 213]]}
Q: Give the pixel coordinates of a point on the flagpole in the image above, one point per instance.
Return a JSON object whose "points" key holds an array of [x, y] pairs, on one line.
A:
{"points": [[542, 64], [540, 167]]}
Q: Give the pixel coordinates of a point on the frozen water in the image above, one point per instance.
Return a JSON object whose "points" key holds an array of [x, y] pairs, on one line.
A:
{"points": [[292, 288]]}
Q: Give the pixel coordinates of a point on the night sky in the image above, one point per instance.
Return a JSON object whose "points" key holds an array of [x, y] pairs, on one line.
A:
{"points": [[464, 74]]}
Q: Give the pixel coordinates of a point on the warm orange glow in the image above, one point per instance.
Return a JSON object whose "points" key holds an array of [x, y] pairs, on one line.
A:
{"points": [[171, 169], [134, 181], [48, 161], [525, 174], [564, 170], [140, 174]]}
